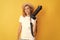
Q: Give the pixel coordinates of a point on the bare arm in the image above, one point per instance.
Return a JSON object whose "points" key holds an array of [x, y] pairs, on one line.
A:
{"points": [[34, 27], [19, 30]]}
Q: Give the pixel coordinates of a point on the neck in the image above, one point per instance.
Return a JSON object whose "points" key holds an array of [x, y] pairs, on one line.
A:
{"points": [[28, 15]]}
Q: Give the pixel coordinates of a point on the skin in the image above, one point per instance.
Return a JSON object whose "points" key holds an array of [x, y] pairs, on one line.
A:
{"points": [[27, 11]]}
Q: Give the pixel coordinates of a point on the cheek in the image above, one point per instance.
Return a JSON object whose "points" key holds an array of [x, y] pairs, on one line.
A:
{"points": [[27, 10]]}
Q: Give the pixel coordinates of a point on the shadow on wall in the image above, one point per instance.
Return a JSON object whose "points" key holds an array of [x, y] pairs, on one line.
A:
{"points": [[40, 16]]}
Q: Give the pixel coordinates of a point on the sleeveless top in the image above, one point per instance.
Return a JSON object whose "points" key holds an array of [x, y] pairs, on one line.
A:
{"points": [[26, 28]]}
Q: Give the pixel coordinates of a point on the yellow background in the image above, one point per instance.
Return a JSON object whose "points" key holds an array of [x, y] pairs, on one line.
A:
{"points": [[48, 23]]}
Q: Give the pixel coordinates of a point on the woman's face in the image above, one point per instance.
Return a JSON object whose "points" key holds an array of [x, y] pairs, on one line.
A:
{"points": [[27, 10]]}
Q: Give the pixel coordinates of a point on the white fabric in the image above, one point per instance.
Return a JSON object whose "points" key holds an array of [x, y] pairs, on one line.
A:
{"points": [[26, 28]]}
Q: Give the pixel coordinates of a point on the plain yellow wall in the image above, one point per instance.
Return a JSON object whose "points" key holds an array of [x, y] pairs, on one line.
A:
{"points": [[48, 23]]}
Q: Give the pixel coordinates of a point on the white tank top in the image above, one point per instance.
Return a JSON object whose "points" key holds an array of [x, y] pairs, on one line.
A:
{"points": [[26, 28]]}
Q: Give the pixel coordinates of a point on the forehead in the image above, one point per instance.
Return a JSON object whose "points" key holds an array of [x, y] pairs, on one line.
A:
{"points": [[27, 7]]}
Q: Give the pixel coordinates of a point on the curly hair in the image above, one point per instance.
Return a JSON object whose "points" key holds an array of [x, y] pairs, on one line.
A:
{"points": [[30, 6]]}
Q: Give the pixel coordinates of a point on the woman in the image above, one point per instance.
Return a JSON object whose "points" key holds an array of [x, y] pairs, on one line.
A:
{"points": [[25, 27]]}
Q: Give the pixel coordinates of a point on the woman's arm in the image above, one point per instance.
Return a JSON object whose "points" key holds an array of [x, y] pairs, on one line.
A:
{"points": [[19, 30], [34, 27]]}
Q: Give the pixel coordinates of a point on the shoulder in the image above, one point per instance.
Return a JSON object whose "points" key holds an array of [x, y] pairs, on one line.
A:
{"points": [[21, 16], [34, 20]]}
